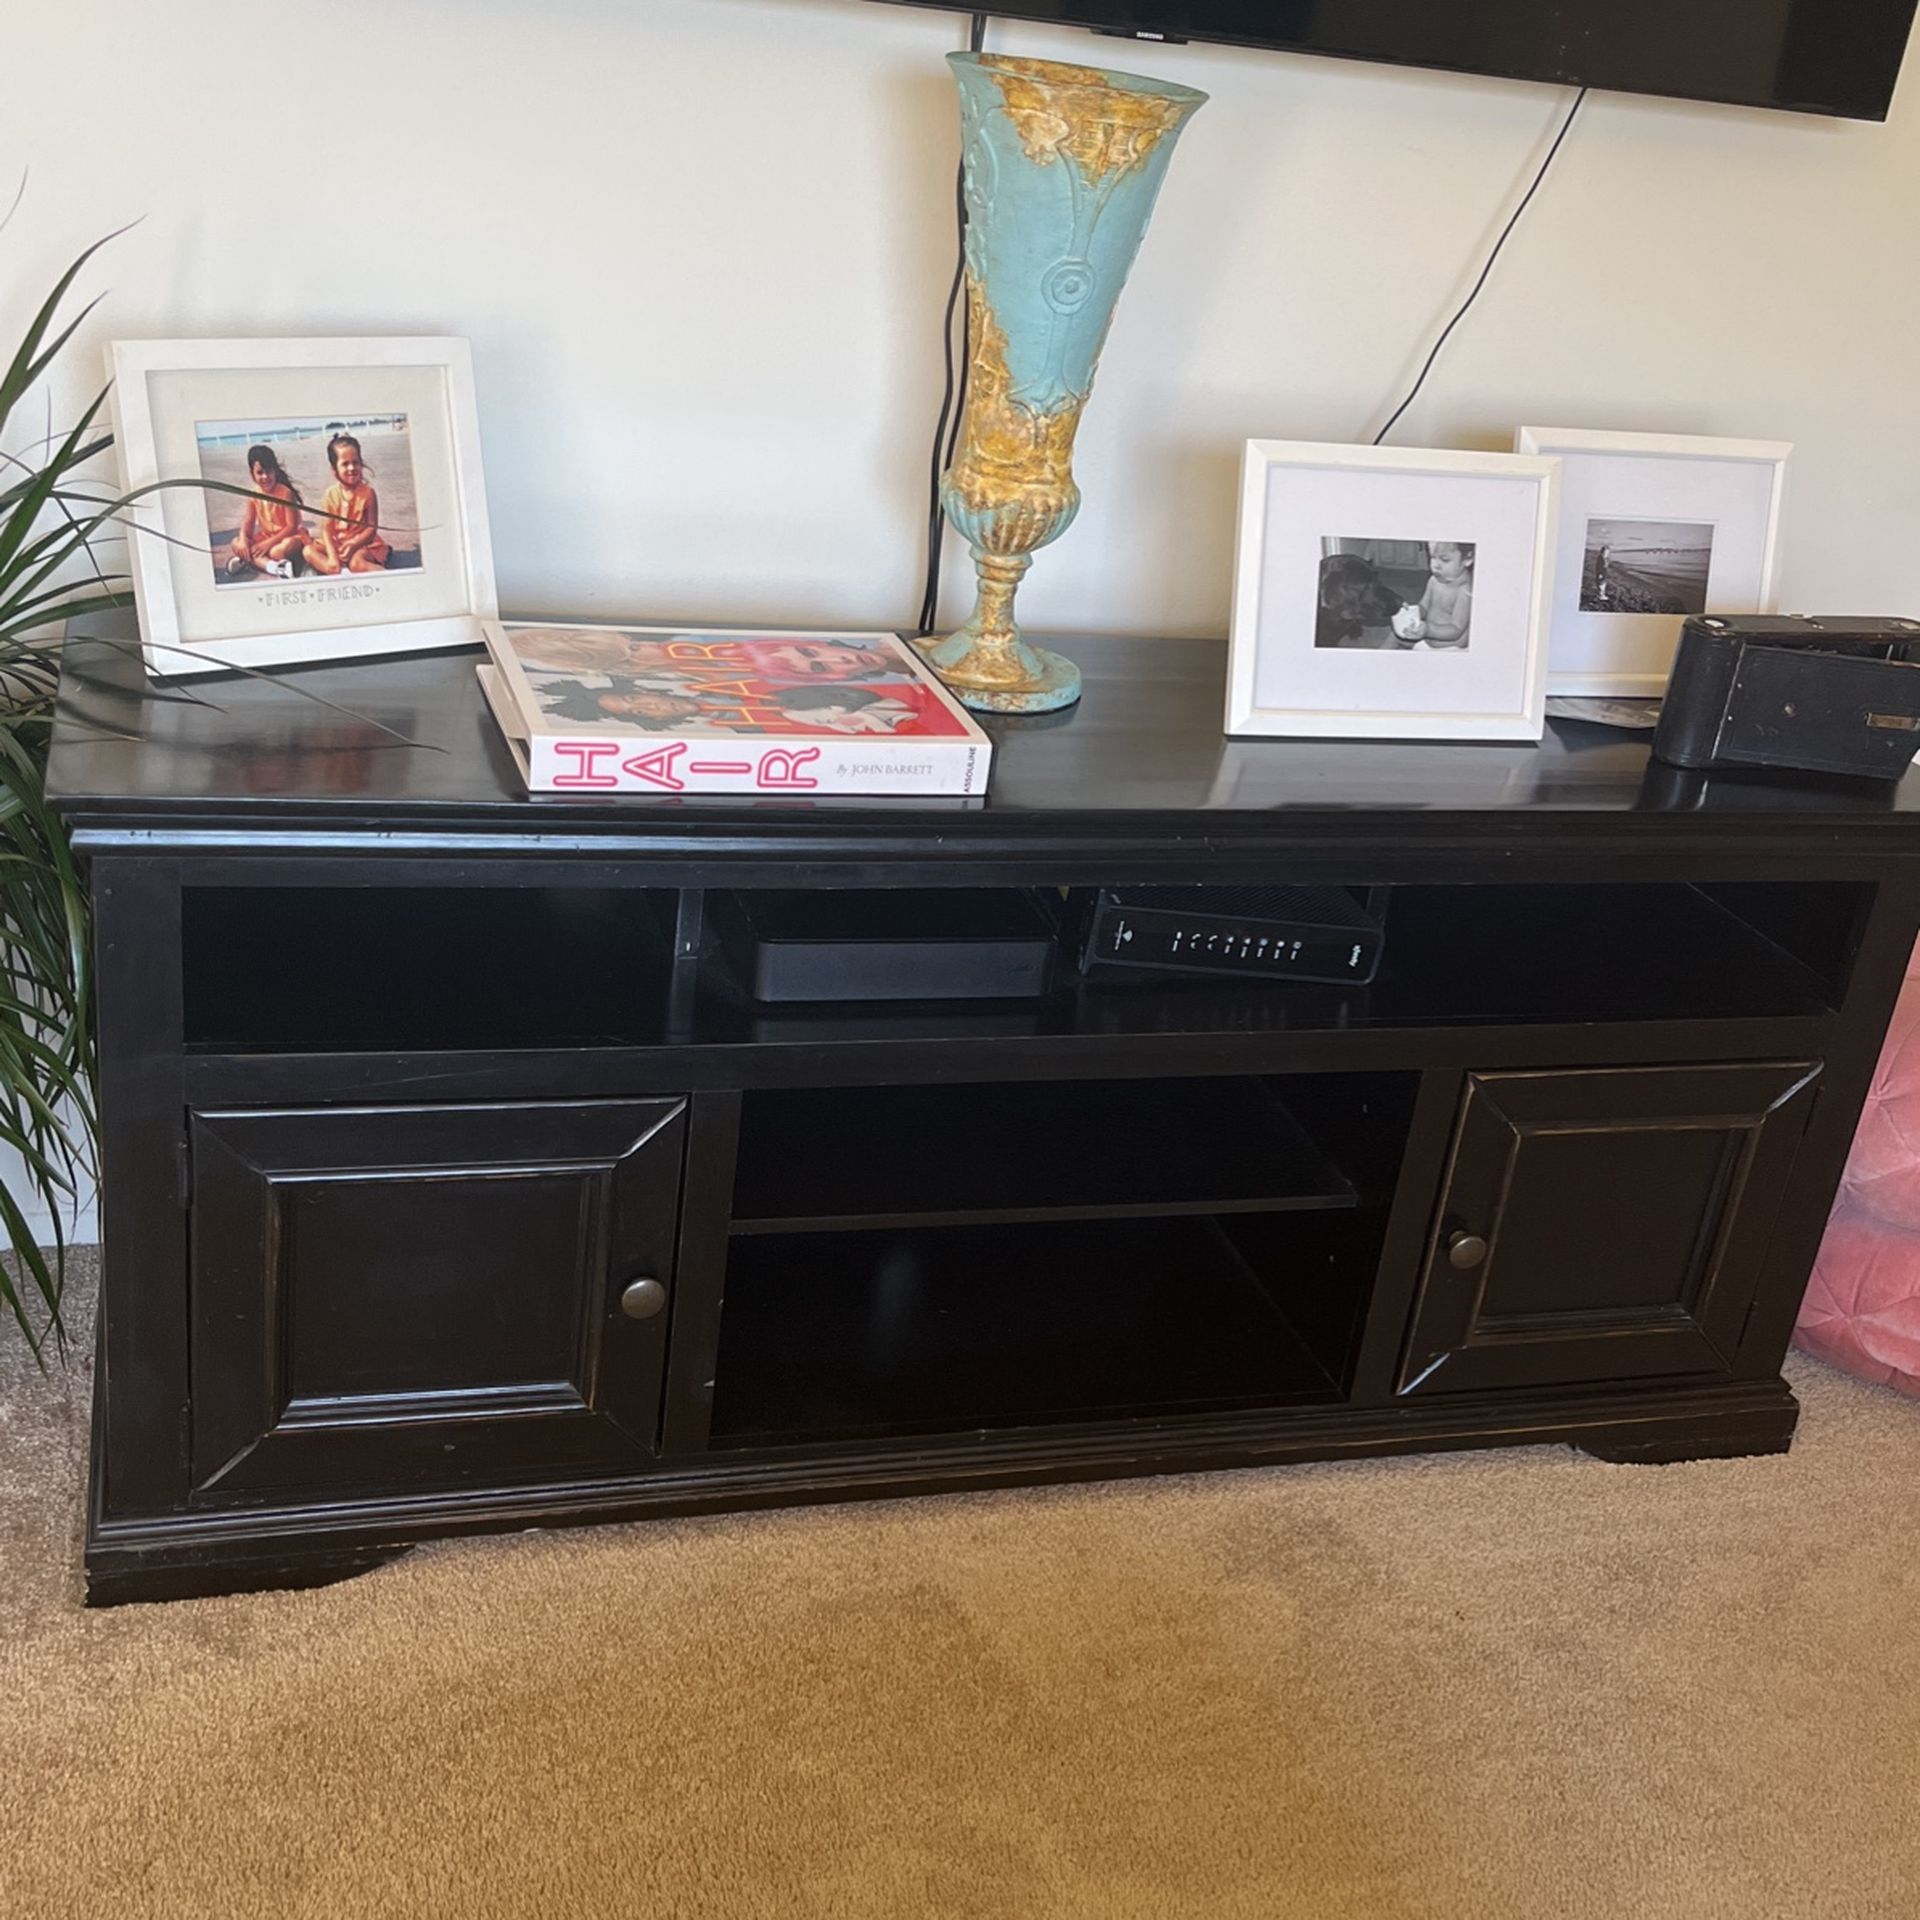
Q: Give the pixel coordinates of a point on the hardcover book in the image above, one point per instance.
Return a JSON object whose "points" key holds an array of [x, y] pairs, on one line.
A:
{"points": [[698, 710]]}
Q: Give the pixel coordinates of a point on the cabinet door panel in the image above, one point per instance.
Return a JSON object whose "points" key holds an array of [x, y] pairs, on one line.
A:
{"points": [[1603, 1225], [397, 1296]]}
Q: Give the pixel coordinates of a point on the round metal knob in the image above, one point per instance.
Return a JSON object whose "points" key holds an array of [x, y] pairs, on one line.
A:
{"points": [[643, 1299], [1465, 1251]]}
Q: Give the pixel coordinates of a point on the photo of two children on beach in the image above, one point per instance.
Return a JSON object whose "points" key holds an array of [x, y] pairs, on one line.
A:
{"points": [[333, 496]]}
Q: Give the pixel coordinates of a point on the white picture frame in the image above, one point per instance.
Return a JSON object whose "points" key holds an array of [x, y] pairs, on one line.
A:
{"points": [[1723, 493], [1304, 505], [191, 410]]}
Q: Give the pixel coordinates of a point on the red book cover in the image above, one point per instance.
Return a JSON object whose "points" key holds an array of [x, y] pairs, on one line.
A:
{"points": [[689, 710]]}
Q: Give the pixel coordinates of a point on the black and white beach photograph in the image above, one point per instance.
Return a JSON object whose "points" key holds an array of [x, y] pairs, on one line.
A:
{"points": [[1646, 566], [1395, 595]]}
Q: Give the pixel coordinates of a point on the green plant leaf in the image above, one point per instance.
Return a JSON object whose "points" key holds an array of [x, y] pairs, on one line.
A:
{"points": [[53, 522], [46, 1040], [33, 358], [20, 521]]}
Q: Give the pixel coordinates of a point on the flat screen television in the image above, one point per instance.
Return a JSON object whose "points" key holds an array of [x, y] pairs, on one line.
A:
{"points": [[1811, 56]]}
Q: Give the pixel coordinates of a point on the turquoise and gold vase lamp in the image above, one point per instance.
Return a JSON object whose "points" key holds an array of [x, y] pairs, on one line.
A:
{"points": [[1062, 167]]}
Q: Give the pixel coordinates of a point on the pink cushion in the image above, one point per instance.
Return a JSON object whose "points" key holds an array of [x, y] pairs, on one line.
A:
{"points": [[1862, 1309], [1883, 1170]]}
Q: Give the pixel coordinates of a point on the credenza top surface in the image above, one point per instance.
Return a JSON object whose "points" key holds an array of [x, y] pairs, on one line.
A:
{"points": [[406, 742]]}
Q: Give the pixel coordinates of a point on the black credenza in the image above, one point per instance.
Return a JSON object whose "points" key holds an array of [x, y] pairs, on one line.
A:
{"points": [[452, 1183]]}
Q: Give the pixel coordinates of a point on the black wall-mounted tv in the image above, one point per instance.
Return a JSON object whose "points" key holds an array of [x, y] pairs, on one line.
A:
{"points": [[1811, 56]]}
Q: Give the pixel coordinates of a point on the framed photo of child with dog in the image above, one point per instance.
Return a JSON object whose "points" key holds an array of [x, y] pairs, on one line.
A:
{"points": [[301, 500], [1653, 527], [1391, 593]]}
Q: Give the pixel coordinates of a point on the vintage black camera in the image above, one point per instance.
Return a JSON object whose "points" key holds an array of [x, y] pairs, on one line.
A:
{"points": [[1823, 695]]}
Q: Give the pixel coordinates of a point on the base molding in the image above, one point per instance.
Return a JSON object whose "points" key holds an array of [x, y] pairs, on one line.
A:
{"points": [[117, 1581], [234, 1550], [1667, 1453]]}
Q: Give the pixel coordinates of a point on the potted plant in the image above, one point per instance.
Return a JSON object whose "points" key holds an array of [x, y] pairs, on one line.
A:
{"points": [[54, 519], [51, 523]]}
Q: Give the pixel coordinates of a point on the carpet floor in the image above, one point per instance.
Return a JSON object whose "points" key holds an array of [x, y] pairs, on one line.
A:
{"points": [[1517, 1684]]}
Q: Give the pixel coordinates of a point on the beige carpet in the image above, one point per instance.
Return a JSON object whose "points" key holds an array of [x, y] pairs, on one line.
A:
{"points": [[1513, 1684]]}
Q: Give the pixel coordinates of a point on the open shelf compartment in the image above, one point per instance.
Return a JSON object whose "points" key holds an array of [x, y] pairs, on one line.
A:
{"points": [[466, 969], [843, 1336], [1511, 954], [1198, 1247], [818, 1159], [367, 969]]}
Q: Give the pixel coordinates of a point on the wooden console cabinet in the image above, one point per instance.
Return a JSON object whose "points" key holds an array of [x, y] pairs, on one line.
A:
{"points": [[452, 1183]]}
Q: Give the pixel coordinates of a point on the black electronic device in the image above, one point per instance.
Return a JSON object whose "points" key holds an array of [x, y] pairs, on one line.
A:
{"points": [[1322, 934], [1837, 57], [898, 943], [1838, 696]]}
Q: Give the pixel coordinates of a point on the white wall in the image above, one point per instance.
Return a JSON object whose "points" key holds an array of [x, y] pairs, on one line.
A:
{"points": [[701, 245]]}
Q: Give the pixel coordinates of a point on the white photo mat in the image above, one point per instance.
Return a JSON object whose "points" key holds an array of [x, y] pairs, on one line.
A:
{"points": [[1298, 497], [173, 397], [1728, 489]]}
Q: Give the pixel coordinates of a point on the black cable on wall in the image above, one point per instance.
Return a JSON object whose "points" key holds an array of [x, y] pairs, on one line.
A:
{"points": [[1566, 127], [953, 401]]}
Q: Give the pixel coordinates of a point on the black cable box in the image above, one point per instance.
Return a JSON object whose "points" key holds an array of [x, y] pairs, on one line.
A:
{"points": [[904, 943], [1273, 933]]}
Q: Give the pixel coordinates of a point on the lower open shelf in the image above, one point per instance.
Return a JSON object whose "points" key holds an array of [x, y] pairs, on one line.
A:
{"points": [[831, 1336], [816, 1158]]}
